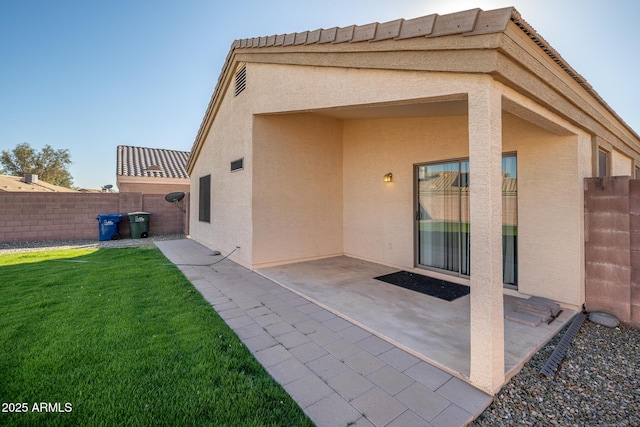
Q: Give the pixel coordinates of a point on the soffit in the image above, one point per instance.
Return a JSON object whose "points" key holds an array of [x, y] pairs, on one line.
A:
{"points": [[421, 109], [434, 108]]}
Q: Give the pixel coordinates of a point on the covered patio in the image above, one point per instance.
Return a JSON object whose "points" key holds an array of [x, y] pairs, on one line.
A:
{"points": [[432, 329], [317, 192]]}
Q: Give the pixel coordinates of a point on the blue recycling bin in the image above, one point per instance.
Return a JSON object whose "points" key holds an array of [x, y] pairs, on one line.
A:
{"points": [[108, 226]]}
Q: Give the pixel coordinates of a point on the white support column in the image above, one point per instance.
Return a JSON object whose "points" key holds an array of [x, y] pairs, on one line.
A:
{"points": [[485, 171]]}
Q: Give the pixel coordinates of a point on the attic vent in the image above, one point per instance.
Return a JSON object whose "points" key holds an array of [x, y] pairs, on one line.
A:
{"points": [[154, 170], [241, 80], [237, 165]]}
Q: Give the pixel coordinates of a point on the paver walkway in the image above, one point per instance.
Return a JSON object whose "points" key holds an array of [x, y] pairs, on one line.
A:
{"points": [[338, 373]]}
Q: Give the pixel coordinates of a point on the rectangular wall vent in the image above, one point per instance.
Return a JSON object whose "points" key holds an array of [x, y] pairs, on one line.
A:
{"points": [[241, 80], [237, 165]]}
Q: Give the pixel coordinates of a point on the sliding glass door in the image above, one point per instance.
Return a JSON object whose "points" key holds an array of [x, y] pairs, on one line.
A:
{"points": [[443, 212], [442, 217], [509, 220]]}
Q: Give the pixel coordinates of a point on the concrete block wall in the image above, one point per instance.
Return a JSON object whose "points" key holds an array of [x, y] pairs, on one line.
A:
{"points": [[166, 218], [72, 216], [612, 247], [634, 229]]}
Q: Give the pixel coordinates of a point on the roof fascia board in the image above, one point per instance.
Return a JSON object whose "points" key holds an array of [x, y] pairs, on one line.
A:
{"points": [[224, 80], [552, 54], [525, 81], [468, 61], [523, 51]]}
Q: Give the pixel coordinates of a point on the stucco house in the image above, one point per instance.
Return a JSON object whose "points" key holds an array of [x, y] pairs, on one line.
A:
{"points": [[151, 170], [451, 145]]}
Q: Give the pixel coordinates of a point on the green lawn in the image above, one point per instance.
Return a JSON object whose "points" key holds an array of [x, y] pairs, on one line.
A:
{"points": [[454, 227], [119, 337]]}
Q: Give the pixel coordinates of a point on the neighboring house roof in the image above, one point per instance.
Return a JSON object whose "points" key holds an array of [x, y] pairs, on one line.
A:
{"points": [[445, 182], [17, 184], [151, 162], [375, 37]]}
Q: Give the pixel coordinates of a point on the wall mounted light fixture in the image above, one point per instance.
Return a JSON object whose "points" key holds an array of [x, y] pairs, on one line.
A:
{"points": [[388, 177]]}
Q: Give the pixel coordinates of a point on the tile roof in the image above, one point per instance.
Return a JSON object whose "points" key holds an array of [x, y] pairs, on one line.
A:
{"points": [[156, 162], [450, 181], [468, 23], [10, 183]]}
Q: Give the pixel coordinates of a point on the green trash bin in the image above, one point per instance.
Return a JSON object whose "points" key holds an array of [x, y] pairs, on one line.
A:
{"points": [[139, 224]]}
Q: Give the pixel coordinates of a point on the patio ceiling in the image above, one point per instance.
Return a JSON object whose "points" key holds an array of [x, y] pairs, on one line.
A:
{"points": [[414, 109], [453, 105]]}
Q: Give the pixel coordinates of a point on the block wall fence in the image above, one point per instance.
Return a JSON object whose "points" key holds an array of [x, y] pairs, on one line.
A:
{"points": [[31, 217], [612, 247]]}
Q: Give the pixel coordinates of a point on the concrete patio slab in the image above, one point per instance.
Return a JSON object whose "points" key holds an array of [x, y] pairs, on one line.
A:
{"points": [[432, 329], [328, 364]]}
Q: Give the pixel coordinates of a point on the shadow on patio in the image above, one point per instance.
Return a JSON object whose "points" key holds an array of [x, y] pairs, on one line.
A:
{"points": [[432, 329]]}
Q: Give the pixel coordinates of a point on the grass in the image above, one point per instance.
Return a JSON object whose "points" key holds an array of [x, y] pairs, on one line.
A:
{"points": [[121, 338], [454, 227]]}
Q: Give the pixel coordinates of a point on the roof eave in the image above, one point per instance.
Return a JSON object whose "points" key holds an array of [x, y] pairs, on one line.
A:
{"points": [[467, 23], [517, 19], [209, 113]]}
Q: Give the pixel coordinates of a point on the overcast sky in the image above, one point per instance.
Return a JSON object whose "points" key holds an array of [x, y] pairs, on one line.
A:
{"points": [[88, 75]]}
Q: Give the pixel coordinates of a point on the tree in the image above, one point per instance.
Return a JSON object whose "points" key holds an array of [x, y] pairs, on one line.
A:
{"points": [[50, 165]]}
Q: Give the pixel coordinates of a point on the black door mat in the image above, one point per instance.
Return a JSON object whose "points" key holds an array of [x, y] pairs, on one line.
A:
{"points": [[426, 285]]}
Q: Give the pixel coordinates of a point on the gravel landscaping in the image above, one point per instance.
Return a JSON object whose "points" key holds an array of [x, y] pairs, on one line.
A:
{"points": [[597, 384], [8, 248]]}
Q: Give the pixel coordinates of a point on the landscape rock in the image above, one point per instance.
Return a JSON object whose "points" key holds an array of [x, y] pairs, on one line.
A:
{"points": [[596, 384], [604, 319]]}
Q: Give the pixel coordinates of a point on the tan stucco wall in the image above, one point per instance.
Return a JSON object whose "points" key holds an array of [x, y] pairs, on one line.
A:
{"points": [[228, 139], [621, 165], [377, 218], [550, 210], [288, 88], [280, 88], [297, 189]]}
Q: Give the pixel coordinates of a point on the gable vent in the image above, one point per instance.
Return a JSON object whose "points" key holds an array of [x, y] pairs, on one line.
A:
{"points": [[241, 80]]}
